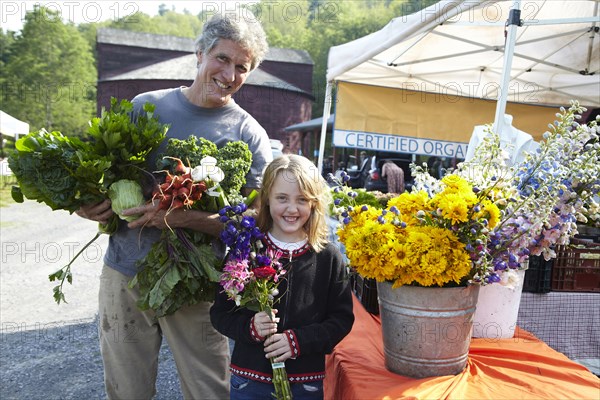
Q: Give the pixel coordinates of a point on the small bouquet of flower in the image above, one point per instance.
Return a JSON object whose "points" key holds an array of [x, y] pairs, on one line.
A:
{"points": [[182, 267], [251, 275]]}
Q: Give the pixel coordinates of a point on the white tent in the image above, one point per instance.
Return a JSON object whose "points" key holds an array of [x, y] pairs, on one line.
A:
{"points": [[457, 48], [10, 126]]}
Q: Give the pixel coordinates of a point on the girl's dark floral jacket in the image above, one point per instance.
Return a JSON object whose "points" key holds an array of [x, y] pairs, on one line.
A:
{"points": [[315, 311]]}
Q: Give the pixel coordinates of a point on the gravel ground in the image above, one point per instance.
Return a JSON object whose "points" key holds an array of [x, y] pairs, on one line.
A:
{"points": [[63, 361], [50, 351]]}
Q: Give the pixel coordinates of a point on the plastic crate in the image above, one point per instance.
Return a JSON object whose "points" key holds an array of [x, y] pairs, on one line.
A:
{"points": [[366, 292], [538, 275], [588, 233], [577, 267]]}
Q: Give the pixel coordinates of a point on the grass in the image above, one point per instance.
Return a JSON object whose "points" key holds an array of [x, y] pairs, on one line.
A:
{"points": [[6, 183]]}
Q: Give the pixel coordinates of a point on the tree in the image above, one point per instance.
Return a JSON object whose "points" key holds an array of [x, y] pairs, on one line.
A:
{"points": [[326, 23], [6, 41], [168, 22], [52, 81], [320, 25]]}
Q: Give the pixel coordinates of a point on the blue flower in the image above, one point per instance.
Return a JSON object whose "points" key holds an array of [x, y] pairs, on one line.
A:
{"points": [[263, 260], [237, 209], [225, 210], [247, 222]]}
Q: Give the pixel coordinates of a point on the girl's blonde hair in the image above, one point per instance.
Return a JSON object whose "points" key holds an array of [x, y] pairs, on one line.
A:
{"points": [[313, 187]]}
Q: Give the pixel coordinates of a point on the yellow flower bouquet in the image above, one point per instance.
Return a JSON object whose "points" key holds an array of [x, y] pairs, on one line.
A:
{"points": [[436, 236]]}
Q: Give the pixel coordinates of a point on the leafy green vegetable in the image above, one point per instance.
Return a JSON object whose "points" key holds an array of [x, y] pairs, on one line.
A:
{"points": [[170, 280], [66, 173], [124, 142], [57, 170], [191, 151], [124, 194], [181, 268], [235, 159]]}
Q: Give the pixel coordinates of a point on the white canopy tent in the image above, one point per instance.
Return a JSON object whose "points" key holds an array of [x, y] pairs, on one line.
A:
{"points": [[457, 48], [10, 126]]}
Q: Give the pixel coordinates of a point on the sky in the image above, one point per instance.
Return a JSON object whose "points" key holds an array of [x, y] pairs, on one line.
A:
{"points": [[12, 13]]}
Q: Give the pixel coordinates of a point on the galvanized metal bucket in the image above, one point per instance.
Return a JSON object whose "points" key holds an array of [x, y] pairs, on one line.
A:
{"points": [[426, 331]]}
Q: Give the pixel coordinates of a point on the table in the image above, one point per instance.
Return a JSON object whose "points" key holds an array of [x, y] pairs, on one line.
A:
{"points": [[523, 367], [568, 322]]}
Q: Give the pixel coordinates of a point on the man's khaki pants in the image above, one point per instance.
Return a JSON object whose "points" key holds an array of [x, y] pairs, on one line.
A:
{"points": [[130, 342]]}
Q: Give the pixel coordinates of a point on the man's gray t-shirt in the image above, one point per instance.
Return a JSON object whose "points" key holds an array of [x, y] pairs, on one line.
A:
{"points": [[219, 125]]}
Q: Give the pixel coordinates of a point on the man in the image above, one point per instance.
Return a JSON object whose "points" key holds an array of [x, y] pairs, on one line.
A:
{"points": [[394, 175], [228, 49]]}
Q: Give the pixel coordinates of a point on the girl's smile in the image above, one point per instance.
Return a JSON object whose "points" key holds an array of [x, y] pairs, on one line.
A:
{"points": [[289, 208]]}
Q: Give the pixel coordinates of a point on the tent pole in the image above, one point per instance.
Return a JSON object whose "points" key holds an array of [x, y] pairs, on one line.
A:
{"points": [[326, 113], [514, 21]]}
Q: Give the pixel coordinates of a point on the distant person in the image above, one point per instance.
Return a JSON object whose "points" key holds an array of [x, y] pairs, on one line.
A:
{"points": [[363, 158], [438, 168], [394, 175]]}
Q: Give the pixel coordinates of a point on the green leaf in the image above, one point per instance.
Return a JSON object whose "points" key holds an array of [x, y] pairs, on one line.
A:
{"points": [[59, 296], [17, 194], [133, 283], [164, 287], [208, 261], [155, 297]]}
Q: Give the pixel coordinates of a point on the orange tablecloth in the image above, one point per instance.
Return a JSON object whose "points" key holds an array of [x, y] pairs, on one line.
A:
{"points": [[519, 368]]}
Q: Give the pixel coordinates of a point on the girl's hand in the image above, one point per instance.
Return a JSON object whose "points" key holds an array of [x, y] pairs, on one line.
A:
{"points": [[278, 346], [264, 325]]}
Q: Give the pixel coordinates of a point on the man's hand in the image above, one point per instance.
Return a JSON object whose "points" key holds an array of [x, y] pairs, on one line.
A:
{"points": [[99, 212], [149, 216]]}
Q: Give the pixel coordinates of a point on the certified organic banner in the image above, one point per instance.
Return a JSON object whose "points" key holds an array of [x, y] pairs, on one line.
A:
{"points": [[399, 144], [433, 124]]}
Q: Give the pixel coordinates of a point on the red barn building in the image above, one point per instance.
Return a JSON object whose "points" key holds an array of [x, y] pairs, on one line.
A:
{"points": [[278, 93]]}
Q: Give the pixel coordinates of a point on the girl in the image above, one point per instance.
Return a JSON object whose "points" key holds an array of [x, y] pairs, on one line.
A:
{"points": [[314, 308]]}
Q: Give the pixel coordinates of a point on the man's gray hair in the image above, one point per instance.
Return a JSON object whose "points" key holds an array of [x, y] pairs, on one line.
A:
{"points": [[242, 28]]}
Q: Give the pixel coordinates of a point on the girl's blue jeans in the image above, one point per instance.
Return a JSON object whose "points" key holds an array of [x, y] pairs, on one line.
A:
{"points": [[248, 389]]}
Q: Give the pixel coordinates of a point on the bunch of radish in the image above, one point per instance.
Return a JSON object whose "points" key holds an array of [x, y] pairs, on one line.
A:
{"points": [[185, 186]]}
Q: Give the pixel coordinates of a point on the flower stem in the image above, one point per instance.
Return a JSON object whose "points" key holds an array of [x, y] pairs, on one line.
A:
{"points": [[65, 273], [280, 381], [283, 391]]}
